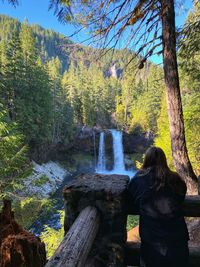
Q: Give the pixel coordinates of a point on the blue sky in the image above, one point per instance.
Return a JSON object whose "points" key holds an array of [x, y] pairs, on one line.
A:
{"points": [[36, 11]]}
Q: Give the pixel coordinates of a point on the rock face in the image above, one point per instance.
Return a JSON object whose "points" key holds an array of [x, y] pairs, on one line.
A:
{"points": [[86, 140], [88, 137], [44, 180], [18, 248], [107, 194], [136, 143]]}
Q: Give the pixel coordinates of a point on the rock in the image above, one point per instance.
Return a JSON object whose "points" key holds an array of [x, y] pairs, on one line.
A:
{"points": [[135, 143], [18, 248], [44, 180], [128, 162]]}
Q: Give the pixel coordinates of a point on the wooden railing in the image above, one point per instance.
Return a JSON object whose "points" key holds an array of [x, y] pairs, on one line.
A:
{"points": [[76, 245], [100, 202]]}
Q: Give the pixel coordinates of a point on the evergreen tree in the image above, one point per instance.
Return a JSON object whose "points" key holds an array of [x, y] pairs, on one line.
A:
{"points": [[163, 134], [54, 70], [13, 159], [11, 69], [189, 61], [34, 102]]}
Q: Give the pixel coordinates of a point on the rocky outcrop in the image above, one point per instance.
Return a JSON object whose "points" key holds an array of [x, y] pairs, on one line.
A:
{"points": [[86, 140], [44, 180], [113, 71], [88, 137], [136, 143], [18, 248]]}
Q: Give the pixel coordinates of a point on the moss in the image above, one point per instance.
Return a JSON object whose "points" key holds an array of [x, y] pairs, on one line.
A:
{"points": [[41, 180]]}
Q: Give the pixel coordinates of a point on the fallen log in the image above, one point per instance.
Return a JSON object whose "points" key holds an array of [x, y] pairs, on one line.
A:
{"points": [[76, 245]]}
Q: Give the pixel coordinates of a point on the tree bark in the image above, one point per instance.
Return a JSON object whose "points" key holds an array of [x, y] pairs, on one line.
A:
{"points": [[76, 245], [18, 248], [174, 105]]}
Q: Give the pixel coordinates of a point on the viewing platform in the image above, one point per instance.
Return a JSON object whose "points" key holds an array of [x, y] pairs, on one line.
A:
{"points": [[96, 210]]}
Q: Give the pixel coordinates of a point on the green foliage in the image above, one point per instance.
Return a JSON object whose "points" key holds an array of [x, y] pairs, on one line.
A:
{"points": [[41, 180], [13, 160], [90, 94], [189, 56], [192, 126], [189, 60], [163, 135], [34, 99], [138, 102], [27, 209], [52, 238], [132, 221]]}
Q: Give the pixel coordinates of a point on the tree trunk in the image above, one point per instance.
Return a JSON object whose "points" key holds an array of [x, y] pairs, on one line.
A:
{"points": [[18, 248], [174, 105]]}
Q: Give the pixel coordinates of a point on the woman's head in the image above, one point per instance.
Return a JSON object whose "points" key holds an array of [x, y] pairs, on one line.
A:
{"points": [[156, 161], [155, 157]]}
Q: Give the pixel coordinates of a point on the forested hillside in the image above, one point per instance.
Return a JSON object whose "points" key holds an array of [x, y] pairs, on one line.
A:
{"points": [[49, 86]]}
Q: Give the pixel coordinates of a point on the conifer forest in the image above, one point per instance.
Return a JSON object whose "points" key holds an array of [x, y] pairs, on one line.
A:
{"points": [[54, 90]]}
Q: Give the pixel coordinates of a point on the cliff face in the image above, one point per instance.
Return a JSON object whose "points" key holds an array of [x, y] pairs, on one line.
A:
{"points": [[84, 141], [18, 248]]}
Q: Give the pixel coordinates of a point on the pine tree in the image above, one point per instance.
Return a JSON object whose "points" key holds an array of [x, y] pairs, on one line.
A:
{"points": [[13, 158], [163, 134], [54, 70], [11, 69], [34, 102]]}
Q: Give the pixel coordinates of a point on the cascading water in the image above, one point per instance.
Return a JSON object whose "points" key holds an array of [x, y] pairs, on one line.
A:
{"points": [[101, 164], [95, 155], [118, 154]]}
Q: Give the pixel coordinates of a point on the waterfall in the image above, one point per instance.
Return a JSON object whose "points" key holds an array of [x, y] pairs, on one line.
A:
{"points": [[101, 164], [118, 152], [118, 155], [95, 155]]}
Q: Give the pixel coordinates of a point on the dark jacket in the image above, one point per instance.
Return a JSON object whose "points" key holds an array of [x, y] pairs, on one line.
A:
{"points": [[161, 218]]}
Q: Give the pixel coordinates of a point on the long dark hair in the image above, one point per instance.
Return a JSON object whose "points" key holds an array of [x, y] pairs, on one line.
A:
{"points": [[156, 161]]}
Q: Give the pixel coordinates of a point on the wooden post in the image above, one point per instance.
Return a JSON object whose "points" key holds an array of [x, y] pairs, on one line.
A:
{"points": [[76, 245], [107, 194], [191, 207], [132, 255]]}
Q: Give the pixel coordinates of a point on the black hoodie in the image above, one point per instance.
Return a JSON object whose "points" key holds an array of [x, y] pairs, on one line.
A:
{"points": [[161, 218]]}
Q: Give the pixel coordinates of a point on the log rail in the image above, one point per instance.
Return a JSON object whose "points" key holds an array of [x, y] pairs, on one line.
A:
{"points": [[94, 211], [76, 245]]}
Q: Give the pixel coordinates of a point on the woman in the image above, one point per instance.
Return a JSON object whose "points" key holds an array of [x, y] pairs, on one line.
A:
{"points": [[158, 193]]}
